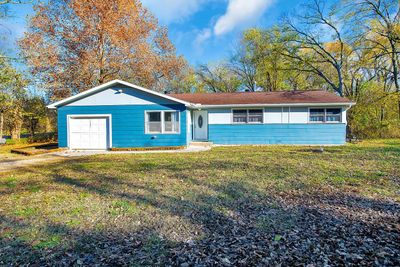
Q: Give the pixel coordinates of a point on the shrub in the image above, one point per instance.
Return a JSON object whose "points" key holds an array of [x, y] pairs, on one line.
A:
{"points": [[43, 137]]}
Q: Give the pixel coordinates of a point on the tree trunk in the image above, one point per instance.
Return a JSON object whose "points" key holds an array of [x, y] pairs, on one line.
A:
{"points": [[48, 123], [16, 134], [16, 130], [395, 72], [398, 101], [340, 78], [1, 124], [32, 129], [395, 69]]}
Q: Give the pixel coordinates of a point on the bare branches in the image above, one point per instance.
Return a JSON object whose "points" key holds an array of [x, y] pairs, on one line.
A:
{"points": [[218, 78], [244, 67], [305, 36], [381, 32]]}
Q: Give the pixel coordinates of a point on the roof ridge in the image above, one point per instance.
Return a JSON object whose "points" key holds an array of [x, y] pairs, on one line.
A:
{"points": [[250, 92]]}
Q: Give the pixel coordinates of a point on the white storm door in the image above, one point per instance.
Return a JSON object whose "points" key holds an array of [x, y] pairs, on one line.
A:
{"points": [[88, 133], [200, 125]]}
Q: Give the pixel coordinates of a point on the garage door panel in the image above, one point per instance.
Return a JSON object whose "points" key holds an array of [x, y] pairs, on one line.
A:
{"points": [[98, 140], [78, 125], [98, 125], [88, 133]]}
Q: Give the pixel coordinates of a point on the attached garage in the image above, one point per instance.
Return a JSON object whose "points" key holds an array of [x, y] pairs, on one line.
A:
{"points": [[89, 132]]}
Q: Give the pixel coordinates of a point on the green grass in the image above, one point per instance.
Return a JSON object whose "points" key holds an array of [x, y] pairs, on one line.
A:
{"points": [[5, 150], [48, 243], [153, 202], [21, 141]]}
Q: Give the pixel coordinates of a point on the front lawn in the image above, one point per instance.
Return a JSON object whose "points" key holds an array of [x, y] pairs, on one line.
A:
{"points": [[5, 150], [248, 205]]}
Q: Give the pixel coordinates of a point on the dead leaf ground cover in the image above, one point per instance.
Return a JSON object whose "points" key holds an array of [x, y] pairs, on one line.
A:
{"points": [[265, 205]]}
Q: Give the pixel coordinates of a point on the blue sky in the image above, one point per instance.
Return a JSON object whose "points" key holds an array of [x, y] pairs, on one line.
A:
{"points": [[202, 30]]}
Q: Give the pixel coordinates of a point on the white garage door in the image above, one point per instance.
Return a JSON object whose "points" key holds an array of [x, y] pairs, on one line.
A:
{"points": [[88, 133]]}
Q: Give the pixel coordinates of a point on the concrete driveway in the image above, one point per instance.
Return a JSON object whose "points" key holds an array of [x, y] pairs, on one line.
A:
{"points": [[12, 164], [82, 153]]}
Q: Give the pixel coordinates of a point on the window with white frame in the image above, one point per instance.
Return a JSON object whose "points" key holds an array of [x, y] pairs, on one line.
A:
{"points": [[248, 116], [327, 115], [171, 121], [162, 122]]}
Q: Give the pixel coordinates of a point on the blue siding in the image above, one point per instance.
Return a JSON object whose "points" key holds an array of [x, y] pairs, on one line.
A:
{"points": [[128, 125], [302, 134]]}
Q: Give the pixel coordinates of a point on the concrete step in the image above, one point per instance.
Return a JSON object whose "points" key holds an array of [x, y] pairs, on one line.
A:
{"points": [[200, 143]]}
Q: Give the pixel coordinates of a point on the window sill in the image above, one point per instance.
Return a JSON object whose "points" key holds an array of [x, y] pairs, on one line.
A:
{"points": [[331, 122], [158, 133], [248, 123]]}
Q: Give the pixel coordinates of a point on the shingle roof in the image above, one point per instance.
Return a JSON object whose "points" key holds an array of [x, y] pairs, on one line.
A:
{"points": [[277, 97]]}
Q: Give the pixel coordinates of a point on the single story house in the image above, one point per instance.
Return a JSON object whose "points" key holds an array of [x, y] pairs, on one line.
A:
{"points": [[122, 115]]}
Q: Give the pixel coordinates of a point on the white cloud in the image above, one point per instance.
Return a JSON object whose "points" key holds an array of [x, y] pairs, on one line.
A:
{"points": [[203, 36], [240, 13], [168, 11]]}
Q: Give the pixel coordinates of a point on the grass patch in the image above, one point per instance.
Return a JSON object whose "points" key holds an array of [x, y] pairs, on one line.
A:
{"points": [[49, 243], [122, 207], [10, 182], [34, 188], [138, 208], [26, 212], [21, 141]]}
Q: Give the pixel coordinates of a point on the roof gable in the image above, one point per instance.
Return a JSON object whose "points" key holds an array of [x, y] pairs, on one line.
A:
{"points": [[111, 89], [120, 95]]}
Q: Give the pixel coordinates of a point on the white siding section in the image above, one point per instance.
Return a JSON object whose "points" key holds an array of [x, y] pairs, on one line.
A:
{"points": [[273, 115], [298, 115], [112, 96], [285, 115], [189, 122], [189, 118], [219, 116], [344, 115]]}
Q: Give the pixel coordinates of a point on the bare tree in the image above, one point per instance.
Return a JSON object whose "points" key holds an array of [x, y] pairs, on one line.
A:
{"points": [[380, 24], [218, 78], [244, 67], [305, 33], [4, 8]]}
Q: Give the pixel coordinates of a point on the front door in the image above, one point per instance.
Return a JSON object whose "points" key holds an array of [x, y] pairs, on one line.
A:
{"points": [[200, 125]]}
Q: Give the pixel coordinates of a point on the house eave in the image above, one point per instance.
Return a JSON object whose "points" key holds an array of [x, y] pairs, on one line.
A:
{"points": [[347, 104]]}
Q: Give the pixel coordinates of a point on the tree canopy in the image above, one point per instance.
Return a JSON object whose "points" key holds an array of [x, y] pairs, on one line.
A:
{"points": [[95, 41]]}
